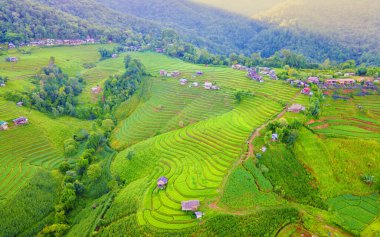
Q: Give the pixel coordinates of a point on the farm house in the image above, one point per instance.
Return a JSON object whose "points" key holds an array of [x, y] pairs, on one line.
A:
{"points": [[162, 182], [208, 85], [3, 125], [306, 91], [198, 214], [20, 121], [296, 108], [11, 46], [12, 59], [314, 80], [274, 137], [192, 205], [96, 90], [183, 81]]}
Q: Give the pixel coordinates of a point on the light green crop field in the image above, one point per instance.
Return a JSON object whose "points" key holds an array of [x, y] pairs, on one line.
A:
{"points": [[192, 136], [339, 163], [26, 148], [197, 138]]}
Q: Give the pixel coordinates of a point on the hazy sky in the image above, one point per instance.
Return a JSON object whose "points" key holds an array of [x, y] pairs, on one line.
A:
{"points": [[245, 7]]}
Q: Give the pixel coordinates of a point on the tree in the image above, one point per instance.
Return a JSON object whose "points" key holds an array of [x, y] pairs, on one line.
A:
{"points": [[94, 172], [64, 167], [108, 125]]}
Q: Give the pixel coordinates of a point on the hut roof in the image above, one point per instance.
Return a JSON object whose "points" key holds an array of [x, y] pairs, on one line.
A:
{"points": [[190, 205]]}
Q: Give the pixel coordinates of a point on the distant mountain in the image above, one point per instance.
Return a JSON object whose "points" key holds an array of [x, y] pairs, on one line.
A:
{"points": [[243, 7], [354, 23]]}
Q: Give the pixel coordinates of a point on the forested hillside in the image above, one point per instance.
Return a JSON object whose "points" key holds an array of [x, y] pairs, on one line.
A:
{"points": [[354, 23], [223, 32]]}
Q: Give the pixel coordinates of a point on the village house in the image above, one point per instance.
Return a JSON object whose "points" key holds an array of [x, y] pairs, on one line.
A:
{"points": [[274, 137], [96, 90], [263, 149], [3, 126], [12, 59], [20, 104], [252, 73], [159, 50], [313, 80], [208, 85], [2, 85], [349, 74], [162, 182], [192, 205], [215, 88], [199, 73], [236, 66], [11, 46], [306, 91], [163, 73], [340, 81], [115, 55], [195, 84], [296, 108], [183, 81], [20, 121], [198, 214]]}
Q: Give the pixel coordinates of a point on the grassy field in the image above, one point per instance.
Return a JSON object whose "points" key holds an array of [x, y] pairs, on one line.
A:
{"points": [[338, 163]]}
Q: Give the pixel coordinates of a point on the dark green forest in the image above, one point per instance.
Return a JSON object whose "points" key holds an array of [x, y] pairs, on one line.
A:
{"points": [[141, 23]]}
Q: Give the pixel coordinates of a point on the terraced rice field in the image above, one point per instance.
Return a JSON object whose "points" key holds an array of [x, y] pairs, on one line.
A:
{"points": [[356, 212], [173, 106], [26, 149], [345, 119], [23, 152], [195, 136]]}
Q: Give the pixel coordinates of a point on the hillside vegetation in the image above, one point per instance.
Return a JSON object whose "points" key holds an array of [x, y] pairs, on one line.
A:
{"points": [[343, 20]]}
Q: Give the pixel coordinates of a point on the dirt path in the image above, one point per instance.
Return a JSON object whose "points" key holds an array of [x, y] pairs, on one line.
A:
{"points": [[245, 156]]}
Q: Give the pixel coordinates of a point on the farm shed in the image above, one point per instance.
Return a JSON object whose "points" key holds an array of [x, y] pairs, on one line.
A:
{"points": [[183, 81], [3, 125], [296, 108], [192, 205], [11, 46], [20, 121], [199, 214], [12, 59], [162, 182], [208, 85], [274, 137], [96, 90], [314, 80]]}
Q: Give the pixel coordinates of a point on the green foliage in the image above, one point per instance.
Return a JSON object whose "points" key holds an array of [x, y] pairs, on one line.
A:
{"points": [[55, 230], [94, 172], [70, 147], [368, 179], [242, 191], [64, 167], [289, 177], [263, 223]]}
